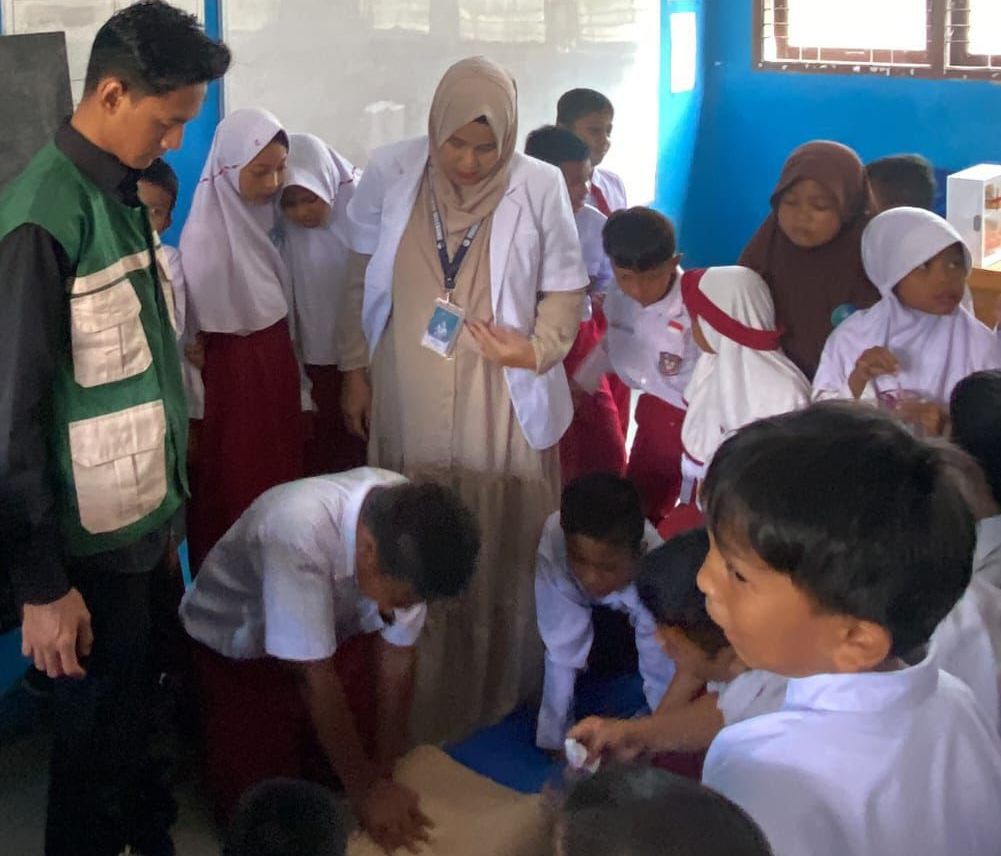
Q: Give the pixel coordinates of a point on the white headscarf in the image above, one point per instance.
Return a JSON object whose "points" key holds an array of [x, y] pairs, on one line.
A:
{"points": [[935, 352], [748, 377], [318, 258], [237, 280]]}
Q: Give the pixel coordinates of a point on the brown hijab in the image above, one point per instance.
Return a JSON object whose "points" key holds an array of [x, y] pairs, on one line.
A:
{"points": [[807, 285], [472, 88]]}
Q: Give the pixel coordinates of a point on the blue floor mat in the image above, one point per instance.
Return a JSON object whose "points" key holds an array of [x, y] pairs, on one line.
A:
{"points": [[506, 752]]}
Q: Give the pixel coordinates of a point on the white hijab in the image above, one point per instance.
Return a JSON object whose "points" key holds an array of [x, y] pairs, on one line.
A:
{"points": [[317, 258], [935, 352], [740, 382], [237, 280]]}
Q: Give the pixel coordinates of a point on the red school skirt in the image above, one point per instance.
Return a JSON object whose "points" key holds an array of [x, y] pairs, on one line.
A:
{"points": [[251, 438], [330, 448], [594, 442]]}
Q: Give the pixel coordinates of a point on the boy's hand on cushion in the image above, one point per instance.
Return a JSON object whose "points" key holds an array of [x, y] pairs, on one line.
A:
{"points": [[390, 813], [872, 363]]}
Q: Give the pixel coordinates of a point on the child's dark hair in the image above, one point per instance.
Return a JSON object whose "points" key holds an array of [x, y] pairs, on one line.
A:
{"points": [[580, 102], [644, 811], [975, 411], [154, 48], [639, 239], [666, 586], [865, 518], [903, 180], [287, 817], [605, 507], [556, 145], [163, 176], [425, 535]]}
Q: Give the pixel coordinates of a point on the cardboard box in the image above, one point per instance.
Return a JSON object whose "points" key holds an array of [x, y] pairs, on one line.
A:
{"points": [[973, 205]]}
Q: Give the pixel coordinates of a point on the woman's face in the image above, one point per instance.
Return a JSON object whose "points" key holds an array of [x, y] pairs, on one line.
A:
{"points": [[265, 174], [808, 214], [303, 207], [469, 155]]}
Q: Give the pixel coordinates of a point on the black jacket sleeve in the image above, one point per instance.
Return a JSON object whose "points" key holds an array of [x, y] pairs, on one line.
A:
{"points": [[33, 332]]}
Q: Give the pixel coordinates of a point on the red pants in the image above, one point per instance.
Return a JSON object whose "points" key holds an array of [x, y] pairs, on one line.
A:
{"points": [[251, 438], [620, 392], [594, 442], [655, 459], [331, 448], [255, 723]]}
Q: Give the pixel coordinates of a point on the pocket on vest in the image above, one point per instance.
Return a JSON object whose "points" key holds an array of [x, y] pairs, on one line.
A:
{"points": [[109, 342], [119, 466]]}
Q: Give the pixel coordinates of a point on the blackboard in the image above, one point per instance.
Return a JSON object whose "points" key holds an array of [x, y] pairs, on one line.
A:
{"points": [[34, 96]]}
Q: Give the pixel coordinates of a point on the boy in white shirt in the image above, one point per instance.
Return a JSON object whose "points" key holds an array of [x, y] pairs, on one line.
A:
{"points": [[590, 115], [838, 541], [649, 346], [711, 686], [594, 442], [587, 557], [308, 566]]}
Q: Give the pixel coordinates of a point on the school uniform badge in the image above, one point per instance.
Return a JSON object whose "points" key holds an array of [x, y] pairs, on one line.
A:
{"points": [[669, 364]]}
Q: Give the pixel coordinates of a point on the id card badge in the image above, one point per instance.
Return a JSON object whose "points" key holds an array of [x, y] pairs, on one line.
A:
{"points": [[443, 329]]}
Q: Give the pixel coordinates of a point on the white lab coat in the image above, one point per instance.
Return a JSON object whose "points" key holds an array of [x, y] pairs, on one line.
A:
{"points": [[533, 248]]}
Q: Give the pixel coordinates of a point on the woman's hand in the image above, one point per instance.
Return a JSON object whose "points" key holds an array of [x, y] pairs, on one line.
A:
{"points": [[356, 402], [618, 738], [873, 363], [195, 352], [502, 345]]}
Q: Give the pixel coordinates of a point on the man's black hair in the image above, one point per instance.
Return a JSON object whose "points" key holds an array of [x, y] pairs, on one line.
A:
{"points": [[581, 102], [556, 145], [424, 535], [975, 411], [666, 586], [604, 507], [154, 48], [163, 176], [644, 811], [903, 180], [865, 518], [639, 239], [287, 817]]}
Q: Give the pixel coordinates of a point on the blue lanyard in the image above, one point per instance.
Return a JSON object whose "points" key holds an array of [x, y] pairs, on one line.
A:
{"points": [[449, 266]]}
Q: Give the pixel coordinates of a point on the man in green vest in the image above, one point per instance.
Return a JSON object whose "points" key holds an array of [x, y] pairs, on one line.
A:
{"points": [[93, 421]]}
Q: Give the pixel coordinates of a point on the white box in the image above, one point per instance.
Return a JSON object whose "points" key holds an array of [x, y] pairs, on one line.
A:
{"points": [[973, 205]]}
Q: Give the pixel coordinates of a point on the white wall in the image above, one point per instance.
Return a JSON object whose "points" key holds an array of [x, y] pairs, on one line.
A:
{"points": [[361, 73], [80, 19]]}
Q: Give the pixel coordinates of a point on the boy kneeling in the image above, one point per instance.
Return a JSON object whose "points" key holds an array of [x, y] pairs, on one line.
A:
{"points": [[309, 565]]}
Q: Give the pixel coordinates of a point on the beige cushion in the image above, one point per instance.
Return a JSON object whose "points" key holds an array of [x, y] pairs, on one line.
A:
{"points": [[473, 816]]}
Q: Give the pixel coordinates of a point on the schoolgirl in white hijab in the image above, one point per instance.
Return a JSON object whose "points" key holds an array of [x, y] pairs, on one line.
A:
{"points": [[918, 338], [237, 280], [742, 374], [319, 183]]}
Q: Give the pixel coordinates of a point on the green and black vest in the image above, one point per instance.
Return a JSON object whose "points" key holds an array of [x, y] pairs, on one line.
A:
{"points": [[119, 422]]}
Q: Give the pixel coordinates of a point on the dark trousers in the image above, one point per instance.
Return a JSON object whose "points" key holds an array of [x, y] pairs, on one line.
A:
{"points": [[103, 790]]}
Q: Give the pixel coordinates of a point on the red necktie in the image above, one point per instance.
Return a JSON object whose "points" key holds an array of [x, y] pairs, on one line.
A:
{"points": [[599, 200]]}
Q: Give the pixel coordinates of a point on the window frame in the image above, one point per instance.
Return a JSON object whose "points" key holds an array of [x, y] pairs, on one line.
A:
{"points": [[943, 56]]}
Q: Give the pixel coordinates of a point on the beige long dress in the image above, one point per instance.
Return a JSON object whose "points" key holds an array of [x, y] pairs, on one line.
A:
{"points": [[452, 420]]}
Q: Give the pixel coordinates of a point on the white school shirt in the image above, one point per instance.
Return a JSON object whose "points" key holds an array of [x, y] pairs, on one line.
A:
{"points": [[590, 223], [751, 693], [867, 764], [194, 389], [967, 642], [281, 582], [563, 612], [649, 347], [533, 248], [611, 186]]}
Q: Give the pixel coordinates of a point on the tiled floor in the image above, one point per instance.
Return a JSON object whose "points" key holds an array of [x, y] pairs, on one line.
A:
{"points": [[23, 777]]}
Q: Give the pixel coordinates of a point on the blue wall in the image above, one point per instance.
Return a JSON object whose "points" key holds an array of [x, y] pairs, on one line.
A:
{"points": [[679, 116], [750, 121]]}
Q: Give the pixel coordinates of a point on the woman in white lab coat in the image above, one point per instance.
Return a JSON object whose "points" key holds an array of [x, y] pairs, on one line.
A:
{"points": [[459, 225]]}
